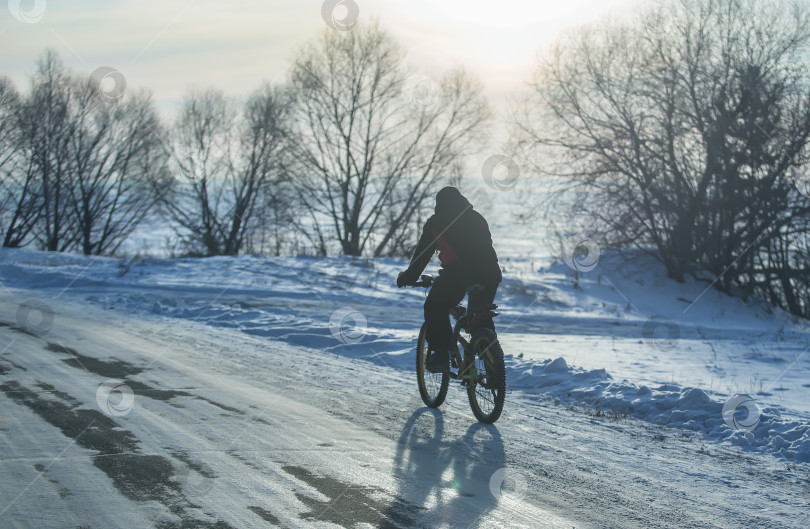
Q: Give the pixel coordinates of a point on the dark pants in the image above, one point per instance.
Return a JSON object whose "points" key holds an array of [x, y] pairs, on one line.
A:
{"points": [[445, 294]]}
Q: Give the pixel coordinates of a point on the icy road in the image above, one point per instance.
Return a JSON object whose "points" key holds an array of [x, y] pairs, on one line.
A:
{"points": [[275, 435]]}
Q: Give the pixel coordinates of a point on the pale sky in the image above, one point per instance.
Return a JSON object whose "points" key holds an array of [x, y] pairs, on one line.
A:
{"points": [[171, 46]]}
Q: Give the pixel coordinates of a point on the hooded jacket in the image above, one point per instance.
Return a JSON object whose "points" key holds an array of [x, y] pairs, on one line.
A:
{"points": [[462, 237]]}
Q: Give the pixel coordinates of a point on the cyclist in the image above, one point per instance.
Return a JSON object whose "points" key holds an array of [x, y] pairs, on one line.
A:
{"points": [[462, 237]]}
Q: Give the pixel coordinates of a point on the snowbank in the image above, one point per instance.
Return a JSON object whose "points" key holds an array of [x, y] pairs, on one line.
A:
{"points": [[740, 423]]}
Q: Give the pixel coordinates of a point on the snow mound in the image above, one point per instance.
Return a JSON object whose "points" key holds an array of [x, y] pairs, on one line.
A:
{"points": [[761, 430]]}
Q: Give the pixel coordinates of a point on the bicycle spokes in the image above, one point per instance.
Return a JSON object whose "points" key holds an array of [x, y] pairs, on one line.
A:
{"points": [[432, 386], [486, 395]]}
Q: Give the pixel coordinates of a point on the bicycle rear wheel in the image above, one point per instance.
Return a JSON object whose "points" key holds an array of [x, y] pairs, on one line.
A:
{"points": [[432, 386], [487, 392]]}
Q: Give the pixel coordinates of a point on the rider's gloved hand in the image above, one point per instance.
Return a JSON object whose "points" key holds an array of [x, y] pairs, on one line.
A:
{"points": [[402, 279]]}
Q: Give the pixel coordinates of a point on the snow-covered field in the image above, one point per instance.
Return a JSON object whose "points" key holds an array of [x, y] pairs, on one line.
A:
{"points": [[618, 359]]}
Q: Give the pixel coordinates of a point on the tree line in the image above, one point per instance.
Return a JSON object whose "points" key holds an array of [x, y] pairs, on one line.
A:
{"points": [[339, 159], [683, 132]]}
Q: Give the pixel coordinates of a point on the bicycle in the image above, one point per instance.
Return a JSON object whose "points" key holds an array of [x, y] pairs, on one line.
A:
{"points": [[481, 369]]}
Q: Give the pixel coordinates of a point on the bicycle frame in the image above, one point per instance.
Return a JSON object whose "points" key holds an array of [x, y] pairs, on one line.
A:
{"points": [[466, 320], [468, 360]]}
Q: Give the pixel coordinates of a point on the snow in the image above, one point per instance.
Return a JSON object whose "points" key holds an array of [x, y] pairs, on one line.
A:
{"points": [[281, 391], [623, 339]]}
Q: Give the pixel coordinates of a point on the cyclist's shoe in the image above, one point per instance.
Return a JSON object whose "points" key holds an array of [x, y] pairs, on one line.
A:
{"points": [[439, 361]]}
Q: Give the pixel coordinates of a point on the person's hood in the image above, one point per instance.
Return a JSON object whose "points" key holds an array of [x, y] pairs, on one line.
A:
{"points": [[450, 202]]}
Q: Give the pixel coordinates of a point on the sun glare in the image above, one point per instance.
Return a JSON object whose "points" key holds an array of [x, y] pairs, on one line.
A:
{"points": [[510, 14], [496, 40]]}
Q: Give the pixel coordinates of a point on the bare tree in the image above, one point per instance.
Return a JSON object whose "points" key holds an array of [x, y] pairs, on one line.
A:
{"points": [[681, 131], [118, 166], [88, 168], [368, 150], [9, 133], [227, 165], [20, 203], [46, 128]]}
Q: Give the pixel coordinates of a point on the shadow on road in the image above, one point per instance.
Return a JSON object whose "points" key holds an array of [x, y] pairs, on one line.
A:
{"points": [[440, 480]]}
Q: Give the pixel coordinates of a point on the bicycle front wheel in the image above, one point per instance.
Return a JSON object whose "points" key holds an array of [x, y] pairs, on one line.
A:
{"points": [[432, 386], [487, 390]]}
